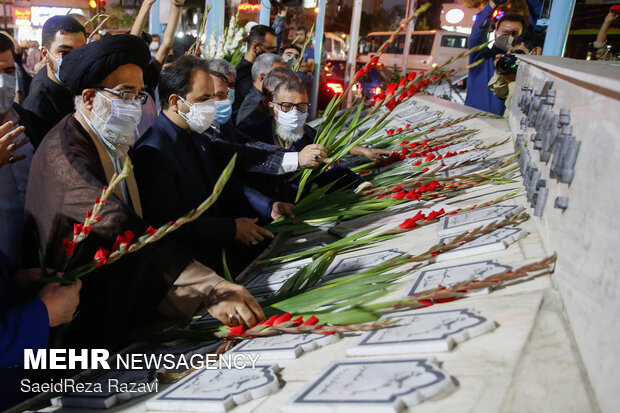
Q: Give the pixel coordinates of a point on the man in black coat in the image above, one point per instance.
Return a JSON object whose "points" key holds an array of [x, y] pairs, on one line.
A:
{"points": [[48, 99]]}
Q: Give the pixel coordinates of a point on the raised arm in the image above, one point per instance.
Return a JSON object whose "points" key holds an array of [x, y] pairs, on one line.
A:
{"points": [[176, 6], [601, 37], [142, 17], [479, 33]]}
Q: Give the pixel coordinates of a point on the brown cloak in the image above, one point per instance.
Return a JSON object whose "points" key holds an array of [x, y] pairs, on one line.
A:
{"points": [[66, 177]]}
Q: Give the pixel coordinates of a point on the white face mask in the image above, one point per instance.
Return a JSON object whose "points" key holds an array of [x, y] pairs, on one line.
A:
{"points": [[117, 121], [503, 42], [58, 63], [154, 45], [200, 115], [290, 125], [7, 91]]}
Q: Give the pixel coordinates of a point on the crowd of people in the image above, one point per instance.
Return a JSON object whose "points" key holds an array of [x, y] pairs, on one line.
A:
{"points": [[96, 101], [180, 119]]}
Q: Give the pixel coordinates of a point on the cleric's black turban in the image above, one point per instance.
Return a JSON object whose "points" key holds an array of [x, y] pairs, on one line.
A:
{"points": [[87, 66]]}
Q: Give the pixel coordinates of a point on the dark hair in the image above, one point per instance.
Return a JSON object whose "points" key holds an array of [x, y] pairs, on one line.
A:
{"points": [[511, 17], [290, 46], [6, 44], [292, 85], [531, 39], [304, 28], [181, 45], [258, 34], [63, 24], [276, 76], [175, 79], [145, 36]]}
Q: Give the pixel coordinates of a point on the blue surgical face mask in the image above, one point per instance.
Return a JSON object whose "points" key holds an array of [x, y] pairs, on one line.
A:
{"points": [[224, 111], [231, 94]]}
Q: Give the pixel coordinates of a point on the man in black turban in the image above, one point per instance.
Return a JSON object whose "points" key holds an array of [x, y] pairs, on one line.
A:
{"points": [[76, 159]]}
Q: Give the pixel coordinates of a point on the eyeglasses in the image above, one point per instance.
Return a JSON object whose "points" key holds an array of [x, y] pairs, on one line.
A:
{"points": [[143, 96], [268, 48], [288, 106]]}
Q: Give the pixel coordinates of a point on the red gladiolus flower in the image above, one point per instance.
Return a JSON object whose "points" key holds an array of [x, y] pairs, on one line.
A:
{"points": [[399, 195], [429, 158], [454, 212], [390, 132], [270, 320], [101, 256], [77, 229], [425, 169], [381, 196], [407, 224], [68, 247], [86, 230], [97, 219], [391, 104], [282, 319], [434, 78], [311, 321], [399, 130], [237, 331], [402, 82], [411, 76], [150, 230], [412, 195], [359, 74], [375, 60], [418, 163], [403, 143], [391, 88], [397, 189], [89, 213], [298, 320], [408, 126], [435, 214]]}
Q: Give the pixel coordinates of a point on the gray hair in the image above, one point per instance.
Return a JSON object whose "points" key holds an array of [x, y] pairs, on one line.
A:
{"points": [[263, 63], [222, 66], [276, 76], [291, 85]]}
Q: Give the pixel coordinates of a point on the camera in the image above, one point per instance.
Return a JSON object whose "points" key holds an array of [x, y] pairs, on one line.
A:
{"points": [[508, 63]]}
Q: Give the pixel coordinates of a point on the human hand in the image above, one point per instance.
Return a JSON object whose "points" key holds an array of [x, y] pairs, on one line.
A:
{"points": [[611, 16], [249, 233], [312, 155], [7, 146], [61, 301], [283, 11], [280, 209], [492, 4], [229, 301], [370, 153]]}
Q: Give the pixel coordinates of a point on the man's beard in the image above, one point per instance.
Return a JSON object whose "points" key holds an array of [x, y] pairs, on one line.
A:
{"points": [[289, 136], [101, 112]]}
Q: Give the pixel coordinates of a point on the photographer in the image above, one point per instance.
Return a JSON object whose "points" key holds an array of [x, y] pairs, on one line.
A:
{"points": [[508, 27], [503, 81]]}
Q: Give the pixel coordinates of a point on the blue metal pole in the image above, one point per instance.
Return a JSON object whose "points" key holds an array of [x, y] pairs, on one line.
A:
{"points": [[318, 51], [559, 24], [215, 20], [265, 12]]}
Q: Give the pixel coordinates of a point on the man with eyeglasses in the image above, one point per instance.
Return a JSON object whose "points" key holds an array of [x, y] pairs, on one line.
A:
{"points": [[48, 99], [262, 39], [69, 170], [287, 129]]}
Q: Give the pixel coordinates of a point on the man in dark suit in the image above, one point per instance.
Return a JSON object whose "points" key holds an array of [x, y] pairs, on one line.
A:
{"points": [[287, 129], [177, 165]]}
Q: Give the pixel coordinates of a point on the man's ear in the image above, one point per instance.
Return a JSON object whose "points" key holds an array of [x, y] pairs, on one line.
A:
{"points": [[44, 53], [261, 77], [173, 102], [88, 96], [271, 105]]}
